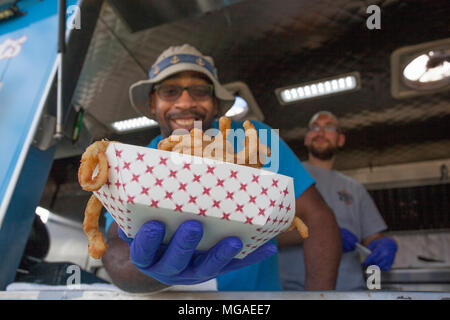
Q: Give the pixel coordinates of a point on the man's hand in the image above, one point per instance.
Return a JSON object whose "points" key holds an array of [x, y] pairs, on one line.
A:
{"points": [[179, 262], [349, 240], [383, 253]]}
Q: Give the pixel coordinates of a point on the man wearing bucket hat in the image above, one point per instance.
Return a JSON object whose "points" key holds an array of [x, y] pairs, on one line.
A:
{"points": [[183, 88]]}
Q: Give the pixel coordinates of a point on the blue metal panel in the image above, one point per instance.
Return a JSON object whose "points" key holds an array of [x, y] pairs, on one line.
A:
{"points": [[24, 77], [18, 220], [27, 60]]}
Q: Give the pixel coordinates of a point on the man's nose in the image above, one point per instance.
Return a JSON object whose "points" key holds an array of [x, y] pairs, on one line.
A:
{"points": [[321, 131], [184, 100]]}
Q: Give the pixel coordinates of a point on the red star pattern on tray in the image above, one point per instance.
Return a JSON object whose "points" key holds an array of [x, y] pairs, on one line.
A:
{"points": [[142, 178]]}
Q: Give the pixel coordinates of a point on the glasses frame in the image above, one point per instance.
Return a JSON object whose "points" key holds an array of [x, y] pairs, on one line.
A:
{"points": [[324, 128], [188, 88]]}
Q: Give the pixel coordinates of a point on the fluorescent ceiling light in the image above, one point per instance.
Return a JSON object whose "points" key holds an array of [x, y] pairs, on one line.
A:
{"points": [[133, 124], [325, 87]]}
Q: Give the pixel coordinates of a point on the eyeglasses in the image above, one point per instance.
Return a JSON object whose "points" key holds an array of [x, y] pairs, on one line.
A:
{"points": [[325, 128], [171, 92]]}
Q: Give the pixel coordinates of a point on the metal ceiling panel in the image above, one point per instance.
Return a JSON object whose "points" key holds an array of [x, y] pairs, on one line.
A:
{"points": [[144, 14]]}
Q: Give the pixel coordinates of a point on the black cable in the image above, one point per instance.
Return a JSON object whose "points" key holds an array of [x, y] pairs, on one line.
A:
{"points": [[62, 26]]}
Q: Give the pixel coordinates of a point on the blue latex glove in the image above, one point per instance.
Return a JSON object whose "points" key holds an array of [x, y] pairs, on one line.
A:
{"points": [[349, 240], [383, 253], [179, 262]]}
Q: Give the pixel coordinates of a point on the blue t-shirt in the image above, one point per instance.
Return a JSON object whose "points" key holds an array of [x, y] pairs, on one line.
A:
{"points": [[262, 276]]}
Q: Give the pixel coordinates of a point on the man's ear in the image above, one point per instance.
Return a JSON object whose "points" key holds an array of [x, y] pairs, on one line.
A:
{"points": [[341, 140], [152, 103], [307, 139]]}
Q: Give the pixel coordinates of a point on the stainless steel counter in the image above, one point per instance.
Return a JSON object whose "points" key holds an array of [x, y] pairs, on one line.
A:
{"points": [[170, 295], [396, 284], [422, 275], [423, 279]]}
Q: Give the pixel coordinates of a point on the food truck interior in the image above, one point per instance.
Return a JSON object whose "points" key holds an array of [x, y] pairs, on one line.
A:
{"points": [[395, 119]]}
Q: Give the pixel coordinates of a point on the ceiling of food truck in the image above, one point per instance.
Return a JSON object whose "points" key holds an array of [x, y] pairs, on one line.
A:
{"points": [[270, 44], [289, 42]]}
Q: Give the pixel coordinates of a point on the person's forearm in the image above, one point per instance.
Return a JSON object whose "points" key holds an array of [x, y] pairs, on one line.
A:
{"points": [[323, 247], [322, 255], [289, 239], [122, 271]]}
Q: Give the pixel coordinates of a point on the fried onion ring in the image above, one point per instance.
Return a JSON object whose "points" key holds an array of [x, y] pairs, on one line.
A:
{"points": [[167, 144], [251, 154], [219, 148], [224, 126], [93, 156], [301, 227], [96, 244]]}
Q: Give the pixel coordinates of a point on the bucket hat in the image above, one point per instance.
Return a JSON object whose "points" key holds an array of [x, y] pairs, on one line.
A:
{"points": [[174, 60]]}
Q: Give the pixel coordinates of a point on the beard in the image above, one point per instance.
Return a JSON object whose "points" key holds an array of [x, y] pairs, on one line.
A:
{"points": [[323, 154]]}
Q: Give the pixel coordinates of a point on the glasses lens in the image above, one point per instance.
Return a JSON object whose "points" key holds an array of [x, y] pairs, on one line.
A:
{"points": [[326, 128], [168, 91], [172, 92], [201, 91]]}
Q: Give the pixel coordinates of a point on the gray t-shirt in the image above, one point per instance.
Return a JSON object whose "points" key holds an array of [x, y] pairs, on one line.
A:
{"points": [[354, 210]]}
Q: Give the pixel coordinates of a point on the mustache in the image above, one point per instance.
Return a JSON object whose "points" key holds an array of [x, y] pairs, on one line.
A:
{"points": [[317, 138], [186, 114]]}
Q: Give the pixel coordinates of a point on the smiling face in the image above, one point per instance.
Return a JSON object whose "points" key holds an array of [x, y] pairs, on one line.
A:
{"points": [[323, 138], [182, 112]]}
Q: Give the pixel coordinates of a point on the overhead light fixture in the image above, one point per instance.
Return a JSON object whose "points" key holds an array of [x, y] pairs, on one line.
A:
{"points": [[319, 88], [429, 70], [420, 69], [239, 108], [245, 104], [133, 124], [43, 214]]}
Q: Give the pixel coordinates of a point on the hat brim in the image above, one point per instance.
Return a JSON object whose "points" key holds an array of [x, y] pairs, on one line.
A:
{"points": [[139, 91]]}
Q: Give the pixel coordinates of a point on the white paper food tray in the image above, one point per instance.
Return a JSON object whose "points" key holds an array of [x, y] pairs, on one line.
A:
{"points": [[228, 199]]}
